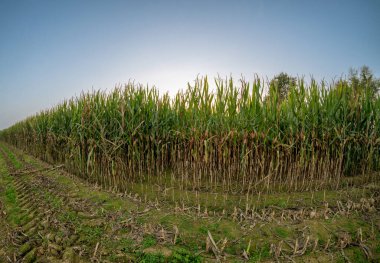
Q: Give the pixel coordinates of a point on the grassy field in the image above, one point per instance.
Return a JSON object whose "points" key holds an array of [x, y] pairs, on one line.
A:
{"points": [[48, 215], [206, 176]]}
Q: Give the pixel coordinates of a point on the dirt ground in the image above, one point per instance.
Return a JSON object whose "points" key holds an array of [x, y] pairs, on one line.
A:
{"points": [[48, 215]]}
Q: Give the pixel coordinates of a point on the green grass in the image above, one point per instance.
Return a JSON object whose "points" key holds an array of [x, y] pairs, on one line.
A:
{"points": [[151, 258], [91, 232], [69, 217], [126, 245], [182, 255], [354, 254], [260, 253], [9, 196], [54, 201], [193, 229], [148, 241], [281, 232], [16, 163], [214, 227], [179, 255], [13, 211]]}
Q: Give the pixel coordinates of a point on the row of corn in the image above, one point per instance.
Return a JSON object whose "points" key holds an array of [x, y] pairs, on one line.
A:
{"points": [[231, 138]]}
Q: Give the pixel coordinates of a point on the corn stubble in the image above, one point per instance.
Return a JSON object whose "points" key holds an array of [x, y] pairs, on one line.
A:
{"points": [[232, 139]]}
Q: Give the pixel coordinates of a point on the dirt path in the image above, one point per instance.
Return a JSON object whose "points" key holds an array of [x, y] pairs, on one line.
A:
{"points": [[48, 215]]}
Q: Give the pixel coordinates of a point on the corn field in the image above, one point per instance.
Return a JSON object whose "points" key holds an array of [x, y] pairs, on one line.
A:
{"points": [[231, 139]]}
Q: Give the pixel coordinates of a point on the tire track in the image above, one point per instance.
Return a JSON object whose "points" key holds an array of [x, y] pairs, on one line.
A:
{"points": [[36, 235], [44, 201]]}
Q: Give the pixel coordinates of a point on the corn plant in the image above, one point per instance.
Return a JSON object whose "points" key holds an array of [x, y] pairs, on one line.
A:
{"points": [[232, 138]]}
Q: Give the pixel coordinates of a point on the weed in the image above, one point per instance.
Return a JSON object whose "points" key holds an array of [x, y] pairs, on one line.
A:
{"points": [[281, 232], [183, 255], [148, 241], [151, 258], [261, 253], [17, 164], [126, 244], [90, 234]]}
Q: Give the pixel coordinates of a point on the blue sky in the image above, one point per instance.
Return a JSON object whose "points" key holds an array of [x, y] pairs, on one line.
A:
{"points": [[52, 50]]}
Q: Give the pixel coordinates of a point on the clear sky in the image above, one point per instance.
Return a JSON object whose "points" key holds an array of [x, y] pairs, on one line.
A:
{"points": [[52, 50]]}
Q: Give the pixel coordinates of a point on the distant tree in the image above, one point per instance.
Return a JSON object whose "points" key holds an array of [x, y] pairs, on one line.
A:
{"points": [[353, 78], [281, 84], [363, 78]]}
